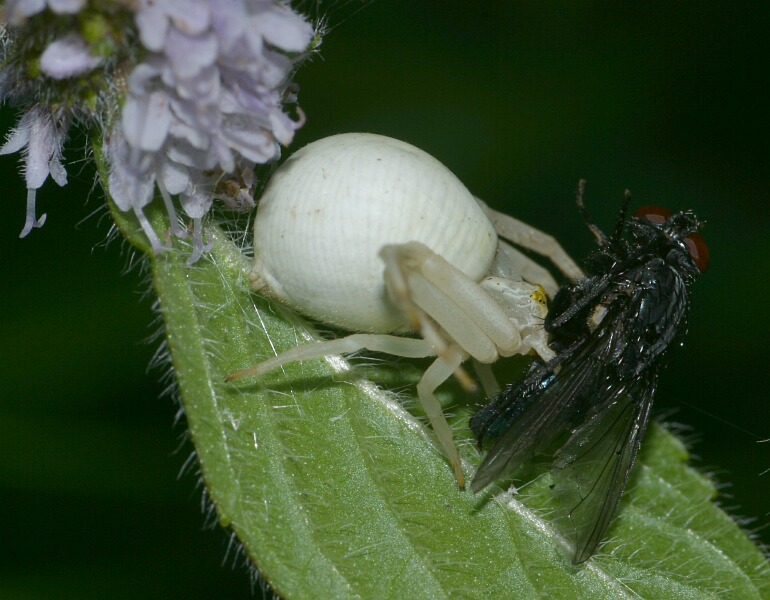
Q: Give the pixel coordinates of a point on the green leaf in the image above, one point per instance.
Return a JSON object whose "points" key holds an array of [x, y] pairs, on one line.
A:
{"points": [[336, 491]]}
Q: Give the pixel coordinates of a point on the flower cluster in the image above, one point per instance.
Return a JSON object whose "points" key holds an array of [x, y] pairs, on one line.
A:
{"points": [[190, 96]]}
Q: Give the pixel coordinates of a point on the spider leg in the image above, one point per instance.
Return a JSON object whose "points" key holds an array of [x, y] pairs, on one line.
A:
{"points": [[533, 239]]}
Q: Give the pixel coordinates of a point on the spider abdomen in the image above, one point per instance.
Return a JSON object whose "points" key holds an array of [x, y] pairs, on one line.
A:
{"points": [[331, 207]]}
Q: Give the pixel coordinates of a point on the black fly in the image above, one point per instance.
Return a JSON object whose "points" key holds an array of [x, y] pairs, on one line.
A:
{"points": [[590, 404]]}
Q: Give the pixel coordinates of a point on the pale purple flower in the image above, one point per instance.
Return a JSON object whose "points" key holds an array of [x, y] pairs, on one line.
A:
{"points": [[40, 137], [68, 57], [189, 123], [207, 103], [17, 11]]}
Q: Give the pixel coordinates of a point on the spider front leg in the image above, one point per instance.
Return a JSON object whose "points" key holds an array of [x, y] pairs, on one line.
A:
{"points": [[484, 320], [457, 318], [461, 318], [441, 370]]}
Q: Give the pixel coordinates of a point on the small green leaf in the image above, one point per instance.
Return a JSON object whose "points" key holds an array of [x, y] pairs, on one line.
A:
{"points": [[336, 491]]}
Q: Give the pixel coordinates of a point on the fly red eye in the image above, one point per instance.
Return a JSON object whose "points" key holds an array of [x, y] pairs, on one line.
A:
{"points": [[654, 214], [699, 251]]}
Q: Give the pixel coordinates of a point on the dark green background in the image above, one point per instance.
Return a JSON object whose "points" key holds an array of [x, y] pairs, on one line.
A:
{"points": [[520, 99]]}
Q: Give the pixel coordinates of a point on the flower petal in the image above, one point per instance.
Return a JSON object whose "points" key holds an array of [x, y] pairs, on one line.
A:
{"points": [[68, 57], [146, 121]]}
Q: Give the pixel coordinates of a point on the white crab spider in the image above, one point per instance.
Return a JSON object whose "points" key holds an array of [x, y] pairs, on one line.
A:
{"points": [[374, 235]]}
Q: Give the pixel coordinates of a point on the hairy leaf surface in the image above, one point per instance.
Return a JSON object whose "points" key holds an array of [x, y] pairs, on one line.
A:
{"points": [[336, 491]]}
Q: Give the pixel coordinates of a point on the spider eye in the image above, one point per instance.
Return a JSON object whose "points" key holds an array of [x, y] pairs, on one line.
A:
{"points": [[656, 215], [699, 251]]}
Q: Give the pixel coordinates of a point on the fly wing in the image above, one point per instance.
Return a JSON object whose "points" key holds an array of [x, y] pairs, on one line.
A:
{"points": [[656, 309], [591, 469], [532, 415], [605, 416]]}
